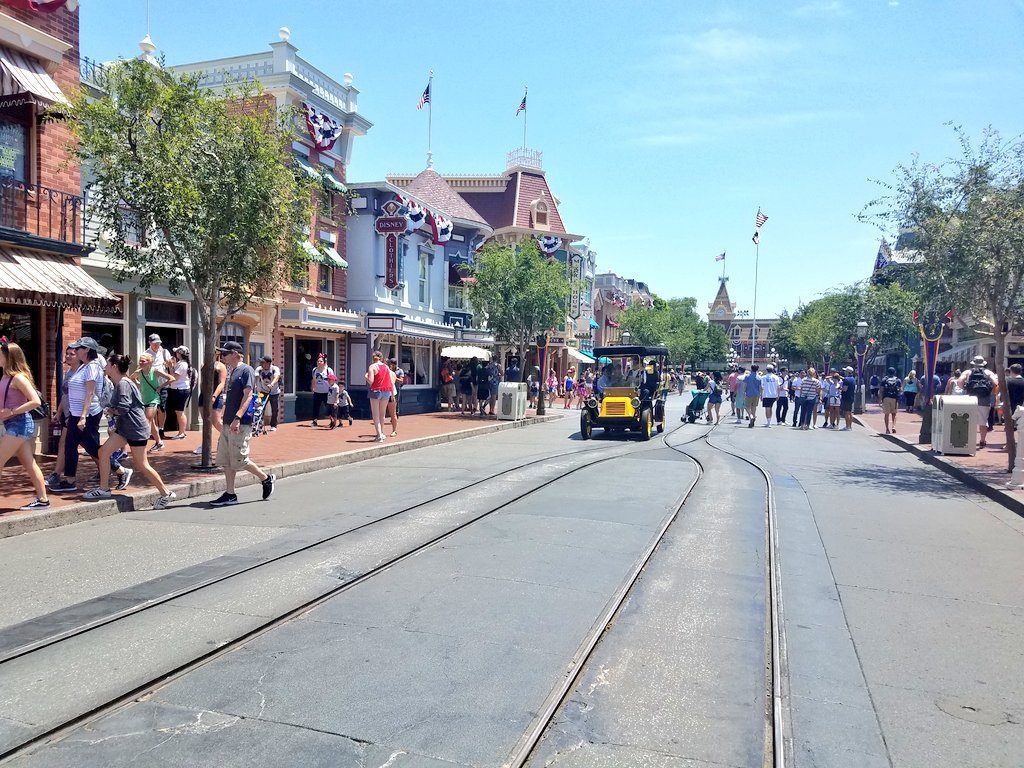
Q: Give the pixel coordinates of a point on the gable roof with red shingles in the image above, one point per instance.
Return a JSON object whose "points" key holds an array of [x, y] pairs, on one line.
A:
{"points": [[505, 201], [532, 187], [431, 187]]}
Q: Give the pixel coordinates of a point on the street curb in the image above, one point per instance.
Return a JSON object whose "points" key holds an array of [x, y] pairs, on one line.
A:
{"points": [[134, 502], [1007, 500]]}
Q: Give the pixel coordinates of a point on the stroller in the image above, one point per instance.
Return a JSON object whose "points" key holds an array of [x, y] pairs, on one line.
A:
{"points": [[259, 407], [695, 407]]}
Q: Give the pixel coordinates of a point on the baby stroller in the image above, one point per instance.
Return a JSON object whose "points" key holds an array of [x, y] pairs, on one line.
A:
{"points": [[259, 407], [696, 406]]}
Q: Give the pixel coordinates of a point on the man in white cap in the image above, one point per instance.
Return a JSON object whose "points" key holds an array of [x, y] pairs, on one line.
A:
{"points": [[161, 356], [978, 381], [769, 393]]}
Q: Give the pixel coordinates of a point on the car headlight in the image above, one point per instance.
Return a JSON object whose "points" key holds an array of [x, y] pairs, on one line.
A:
{"points": [[635, 402]]}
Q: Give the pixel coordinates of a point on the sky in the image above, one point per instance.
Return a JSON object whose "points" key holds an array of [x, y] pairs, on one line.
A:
{"points": [[664, 125]]}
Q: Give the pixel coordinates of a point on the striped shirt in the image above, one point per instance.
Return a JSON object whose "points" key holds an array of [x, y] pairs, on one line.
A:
{"points": [[91, 371], [809, 388]]}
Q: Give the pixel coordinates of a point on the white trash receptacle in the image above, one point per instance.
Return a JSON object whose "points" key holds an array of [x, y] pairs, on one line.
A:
{"points": [[511, 401], [955, 425]]}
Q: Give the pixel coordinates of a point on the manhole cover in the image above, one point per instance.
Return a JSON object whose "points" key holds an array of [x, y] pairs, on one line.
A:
{"points": [[973, 710]]}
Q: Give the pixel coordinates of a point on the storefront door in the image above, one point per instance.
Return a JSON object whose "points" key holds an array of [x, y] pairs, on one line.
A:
{"points": [[307, 350], [21, 325]]}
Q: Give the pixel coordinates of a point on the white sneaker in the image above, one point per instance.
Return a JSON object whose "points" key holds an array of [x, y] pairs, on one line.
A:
{"points": [[163, 501], [124, 478], [272, 429], [97, 493], [198, 451]]}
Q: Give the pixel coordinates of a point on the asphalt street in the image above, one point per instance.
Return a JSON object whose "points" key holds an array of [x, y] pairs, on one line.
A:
{"points": [[900, 606]]}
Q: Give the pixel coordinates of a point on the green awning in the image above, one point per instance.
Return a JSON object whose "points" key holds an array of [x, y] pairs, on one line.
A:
{"points": [[333, 182], [305, 167], [329, 256]]}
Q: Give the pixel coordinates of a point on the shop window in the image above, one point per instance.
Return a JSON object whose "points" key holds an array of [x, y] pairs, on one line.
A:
{"points": [[233, 332], [109, 335], [174, 312], [21, 325], [540, 214], [323, 281], [415, 360], [15, 156], [256, 351]]}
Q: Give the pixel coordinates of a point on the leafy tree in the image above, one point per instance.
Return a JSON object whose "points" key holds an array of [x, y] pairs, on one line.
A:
{"points": [[676, 324], [968, 217], [209, 181], [518, 292]]}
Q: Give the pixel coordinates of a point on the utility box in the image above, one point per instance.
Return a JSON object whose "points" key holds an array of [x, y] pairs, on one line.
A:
{"points": [[511, 401], [955, 425]]}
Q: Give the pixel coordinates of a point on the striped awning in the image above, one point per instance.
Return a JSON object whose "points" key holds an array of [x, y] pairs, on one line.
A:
{"points": [[36, 278], [23, 74], [330, 256]]}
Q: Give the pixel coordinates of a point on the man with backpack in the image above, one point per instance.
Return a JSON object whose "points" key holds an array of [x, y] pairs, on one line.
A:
{"points": [[892, 385], [981, 383]]}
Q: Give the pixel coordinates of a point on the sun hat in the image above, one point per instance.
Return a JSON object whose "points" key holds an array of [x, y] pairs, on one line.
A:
{"points": [[979, 361]]}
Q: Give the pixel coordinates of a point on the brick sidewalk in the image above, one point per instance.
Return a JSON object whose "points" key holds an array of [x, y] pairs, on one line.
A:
{"points": [[988, 464], [292, 442]]}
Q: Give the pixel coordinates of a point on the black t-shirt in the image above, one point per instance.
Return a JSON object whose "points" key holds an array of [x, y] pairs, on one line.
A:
{"points": [[892, 386], [239, 379], [1015, 391]]}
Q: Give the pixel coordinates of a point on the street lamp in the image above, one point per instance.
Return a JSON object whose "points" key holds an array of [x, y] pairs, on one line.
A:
{"points": [[773, 356], [861, 348], [626, 336], [827, 357]]}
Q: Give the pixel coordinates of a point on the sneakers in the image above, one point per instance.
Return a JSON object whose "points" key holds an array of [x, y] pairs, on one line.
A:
{"points": [[63, 486], [97, 493], [158, 447], [163, 501], [272, 429], [124, 478], [349, 423], [268, 486], [197, 451], [37, 504], [314, 424], [52, 479], [225, 500]]}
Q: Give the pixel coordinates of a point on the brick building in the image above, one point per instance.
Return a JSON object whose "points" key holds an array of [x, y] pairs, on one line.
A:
{"points": [[43, 288]]}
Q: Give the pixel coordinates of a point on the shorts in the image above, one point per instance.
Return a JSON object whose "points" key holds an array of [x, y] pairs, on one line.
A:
{"points": [[833, 401], [137, 443], [732, 397], [23, 427], [767, 402], [983, 415], [889, 405], [177, 399], [233, 449], [483, 393], [380, 394], [448, 390], [218, 402], [846, 406]]}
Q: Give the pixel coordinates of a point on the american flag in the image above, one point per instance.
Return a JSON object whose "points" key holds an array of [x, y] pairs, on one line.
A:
{"points": [[720, 257], [425, 98], [522, 105], [761, 219]]}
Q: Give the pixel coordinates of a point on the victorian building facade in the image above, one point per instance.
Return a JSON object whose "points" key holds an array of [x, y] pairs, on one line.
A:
{"points": [[750, 339], [44, 291]]}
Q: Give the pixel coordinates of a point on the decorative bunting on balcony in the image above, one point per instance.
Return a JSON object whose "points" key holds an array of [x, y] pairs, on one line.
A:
{"points": [[43, 6], [413, 214], [549, 244], [323, 130], [441, 228]]}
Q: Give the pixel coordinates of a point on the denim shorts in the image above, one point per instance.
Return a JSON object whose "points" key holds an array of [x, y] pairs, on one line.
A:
{"points": [[380, 394], [20, 426]]}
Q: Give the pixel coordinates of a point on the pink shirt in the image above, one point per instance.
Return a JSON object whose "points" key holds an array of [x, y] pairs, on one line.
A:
{"points": [[732, 382], [10, 396]]}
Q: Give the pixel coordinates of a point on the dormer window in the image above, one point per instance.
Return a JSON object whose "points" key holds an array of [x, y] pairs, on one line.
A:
{"points": [[539, 209]]}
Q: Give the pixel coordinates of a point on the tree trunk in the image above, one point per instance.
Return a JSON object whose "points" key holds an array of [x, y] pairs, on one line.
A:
{"points": [[207, 385], [1000, 363]]}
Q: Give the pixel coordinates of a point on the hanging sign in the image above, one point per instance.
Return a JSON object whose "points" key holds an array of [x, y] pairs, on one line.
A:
{"points": [[391, 261], [575, 286], [323, 130], [386, 225]]}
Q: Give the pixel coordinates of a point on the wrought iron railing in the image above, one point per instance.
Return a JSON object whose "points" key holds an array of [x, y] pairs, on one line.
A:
{"points": [[92, 73], [41, 211]]}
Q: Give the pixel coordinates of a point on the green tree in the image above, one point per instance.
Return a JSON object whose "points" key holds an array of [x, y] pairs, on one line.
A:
{"points": [[676, 324], [208, 178], [518, 292], [968, 217]]}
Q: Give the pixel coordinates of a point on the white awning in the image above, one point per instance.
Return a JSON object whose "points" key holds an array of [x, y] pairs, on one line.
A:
{"points": [[463, 352], [583, 357], [23, 74]]}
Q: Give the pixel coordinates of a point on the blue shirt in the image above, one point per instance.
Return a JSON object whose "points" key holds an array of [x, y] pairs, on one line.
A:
{"points": [[752, 385], [849, 387]]}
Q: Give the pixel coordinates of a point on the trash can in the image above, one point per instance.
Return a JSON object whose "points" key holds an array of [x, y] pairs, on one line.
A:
{"points": [[511, 401], [955, 425]]}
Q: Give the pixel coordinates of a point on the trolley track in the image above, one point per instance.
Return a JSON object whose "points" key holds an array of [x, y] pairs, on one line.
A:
{"points": [[774, 745], [126, 698]]}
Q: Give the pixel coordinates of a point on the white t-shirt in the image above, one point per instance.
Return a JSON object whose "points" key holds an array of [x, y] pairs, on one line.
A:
{"points": [[160, 357], [797, 381], [91, 371], [181, 376], [769, 385]]}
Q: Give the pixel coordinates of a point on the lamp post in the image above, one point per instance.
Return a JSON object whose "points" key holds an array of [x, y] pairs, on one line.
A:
{"points": [[542, 346], [773, 356], [827, 358], [861, 348], [626, 336]]}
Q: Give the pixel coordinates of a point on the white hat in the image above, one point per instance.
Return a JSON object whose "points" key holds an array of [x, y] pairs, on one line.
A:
{"points": [[979, 361]]}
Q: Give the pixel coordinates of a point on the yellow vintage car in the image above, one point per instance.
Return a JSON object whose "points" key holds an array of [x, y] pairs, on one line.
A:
{"points": [[629, 394]]}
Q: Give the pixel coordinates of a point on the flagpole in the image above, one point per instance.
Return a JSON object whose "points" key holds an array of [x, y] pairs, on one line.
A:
{"points": [[430, 118], [753, 335], [526, 114]]}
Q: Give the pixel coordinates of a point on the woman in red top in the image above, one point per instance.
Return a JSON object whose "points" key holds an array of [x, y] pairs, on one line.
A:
{"points": [[382, 386]]}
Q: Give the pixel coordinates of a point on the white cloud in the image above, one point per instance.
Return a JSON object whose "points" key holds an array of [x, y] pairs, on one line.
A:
{"points": [[894, 3], [687, 131], [822, 9], [726, 46]]}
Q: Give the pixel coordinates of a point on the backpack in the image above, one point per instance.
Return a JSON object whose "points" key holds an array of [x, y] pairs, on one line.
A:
{"points": [[978, 384], [106, 393], [891, 387], [192, 378]]}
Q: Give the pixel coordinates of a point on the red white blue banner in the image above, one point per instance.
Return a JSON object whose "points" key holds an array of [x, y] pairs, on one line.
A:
{"points": [[42, 6], [323, 130]]}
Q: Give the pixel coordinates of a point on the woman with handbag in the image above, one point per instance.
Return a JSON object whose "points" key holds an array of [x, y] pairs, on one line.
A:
{"points": [[148, 378], [19, 399]]}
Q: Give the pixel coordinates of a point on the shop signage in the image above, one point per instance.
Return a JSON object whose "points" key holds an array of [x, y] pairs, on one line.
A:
{"points": [[556, 340], [391, 261], [388, 224], [575, 285]]}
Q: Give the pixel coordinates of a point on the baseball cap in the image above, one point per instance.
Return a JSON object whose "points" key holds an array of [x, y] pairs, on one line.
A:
{"points": [[85, 343], [331, 377], [848, 369], [230, 346], [154, 337], [183, 349]]}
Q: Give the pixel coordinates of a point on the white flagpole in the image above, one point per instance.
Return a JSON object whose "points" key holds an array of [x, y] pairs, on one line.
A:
{"points": [[757, 254], [430, 117]]}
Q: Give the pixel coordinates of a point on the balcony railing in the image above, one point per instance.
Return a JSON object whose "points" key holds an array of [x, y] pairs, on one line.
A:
{"points": [[92, 73], [41, 211]]}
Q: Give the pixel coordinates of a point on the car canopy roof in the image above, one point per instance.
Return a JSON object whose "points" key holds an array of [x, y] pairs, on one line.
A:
{"points": [[622, 351]]}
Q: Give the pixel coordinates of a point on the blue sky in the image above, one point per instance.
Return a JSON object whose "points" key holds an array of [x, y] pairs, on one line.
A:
{"points": [[663, 125]]}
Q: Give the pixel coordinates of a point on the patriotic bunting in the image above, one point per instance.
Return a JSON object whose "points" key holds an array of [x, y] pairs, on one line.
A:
{"points": [[441, 228], [323, 130], [43, 6], [549, 244]]}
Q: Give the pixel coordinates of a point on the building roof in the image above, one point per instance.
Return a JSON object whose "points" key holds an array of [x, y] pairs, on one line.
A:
{"points": [[532, 187], [505, 201], [431, 187]]}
